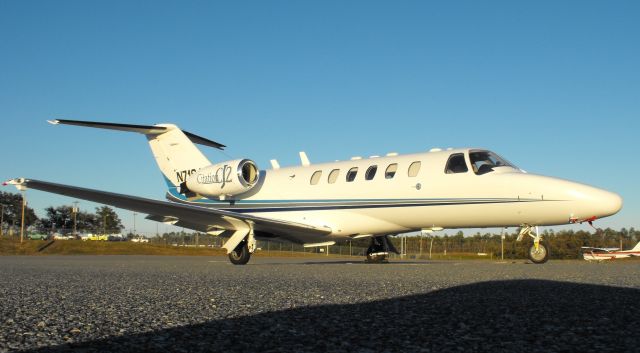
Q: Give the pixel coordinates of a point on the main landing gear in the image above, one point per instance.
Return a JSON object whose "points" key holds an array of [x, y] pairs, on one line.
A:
{"points": [[379, 249], [538, 253], [240, 247], [240, 255]]}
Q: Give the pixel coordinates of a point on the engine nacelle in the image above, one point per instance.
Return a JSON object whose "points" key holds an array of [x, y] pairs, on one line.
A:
{"points": [[222, 180]]}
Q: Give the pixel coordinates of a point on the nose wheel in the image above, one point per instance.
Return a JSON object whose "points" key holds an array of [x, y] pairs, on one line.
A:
{"points": [[539, 254]]}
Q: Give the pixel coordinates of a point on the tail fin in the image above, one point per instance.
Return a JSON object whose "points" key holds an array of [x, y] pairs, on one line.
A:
{"points": [[174, 149], [637, 247]]}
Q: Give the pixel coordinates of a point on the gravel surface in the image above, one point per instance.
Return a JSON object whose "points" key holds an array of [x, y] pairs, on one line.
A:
{"points": [[190, 304]]}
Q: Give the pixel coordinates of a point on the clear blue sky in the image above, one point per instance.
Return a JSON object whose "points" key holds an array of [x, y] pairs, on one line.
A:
{"points": [[554, 86]]}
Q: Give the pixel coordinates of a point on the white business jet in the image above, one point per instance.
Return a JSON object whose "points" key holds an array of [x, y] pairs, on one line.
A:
{"points": [[322, 204], [600, 254]]}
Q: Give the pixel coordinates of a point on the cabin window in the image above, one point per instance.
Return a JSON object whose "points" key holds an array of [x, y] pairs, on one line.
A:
{"points": [[333, 176], [456, 164], [315, 178], [371, 172], [391, 171], [414, 168], [351, 174]]}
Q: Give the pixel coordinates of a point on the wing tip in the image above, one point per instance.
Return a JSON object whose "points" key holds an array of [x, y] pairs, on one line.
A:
{"points": [[19, 183], [54, 122]]}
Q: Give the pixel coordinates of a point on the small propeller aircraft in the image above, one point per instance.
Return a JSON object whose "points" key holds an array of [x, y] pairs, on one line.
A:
{"points": [[322, 204], [601, 254]]}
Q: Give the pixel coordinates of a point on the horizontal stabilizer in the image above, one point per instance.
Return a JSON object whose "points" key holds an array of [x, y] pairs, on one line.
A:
{"points": [[142, 129]]}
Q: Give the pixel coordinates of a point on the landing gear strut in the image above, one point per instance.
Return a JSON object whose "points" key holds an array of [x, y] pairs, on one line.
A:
{"points": [[538, 253], [243, 244], [379, 249]]}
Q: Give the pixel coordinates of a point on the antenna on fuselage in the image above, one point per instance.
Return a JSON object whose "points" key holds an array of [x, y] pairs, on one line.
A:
{"points": [[304, 159]]}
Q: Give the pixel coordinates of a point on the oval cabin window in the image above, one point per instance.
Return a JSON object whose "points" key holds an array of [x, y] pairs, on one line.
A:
{"points": [[333, 176], [315, 178], [414, 169], [351, 174], [391, 171], [371, 172]]}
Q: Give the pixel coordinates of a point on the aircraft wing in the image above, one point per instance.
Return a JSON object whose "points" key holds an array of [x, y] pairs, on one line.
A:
{"points": [[601, 249], [189, 216]]}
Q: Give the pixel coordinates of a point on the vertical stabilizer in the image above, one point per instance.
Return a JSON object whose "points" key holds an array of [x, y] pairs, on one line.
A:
{"points": [[176, 155]]}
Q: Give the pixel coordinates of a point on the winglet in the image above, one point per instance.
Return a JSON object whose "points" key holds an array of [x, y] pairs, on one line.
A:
{"points": [[19, 183]]}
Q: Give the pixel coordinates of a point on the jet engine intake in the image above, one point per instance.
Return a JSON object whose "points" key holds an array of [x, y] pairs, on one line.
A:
{"points": [[223, 180]]}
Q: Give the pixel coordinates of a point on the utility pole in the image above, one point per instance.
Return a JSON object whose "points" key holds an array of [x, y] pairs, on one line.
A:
{"points": [[104, 224], [75, 213], [406, 245], [24, 204], [620, 241], [134, 223], [502, 243], [430, 247], [1, 220]]}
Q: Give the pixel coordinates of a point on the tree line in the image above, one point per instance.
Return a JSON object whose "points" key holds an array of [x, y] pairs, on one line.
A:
{"points": [[59, 219]]}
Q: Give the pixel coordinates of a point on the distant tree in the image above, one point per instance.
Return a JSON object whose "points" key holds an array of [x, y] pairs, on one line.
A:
{"points": [[60, 219], [57, 219], [13, 211], [108, 215], [88, 222]]}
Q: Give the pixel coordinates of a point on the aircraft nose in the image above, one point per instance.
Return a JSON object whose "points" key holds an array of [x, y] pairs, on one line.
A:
{"points": [[608, 203], [601, 203]]}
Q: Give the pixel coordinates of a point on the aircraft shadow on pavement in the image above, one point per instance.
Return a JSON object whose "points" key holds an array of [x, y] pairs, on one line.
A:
{"points": [[498, 316]]}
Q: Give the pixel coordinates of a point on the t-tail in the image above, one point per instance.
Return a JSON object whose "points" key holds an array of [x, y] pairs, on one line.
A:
{"points": [[174, 150]]}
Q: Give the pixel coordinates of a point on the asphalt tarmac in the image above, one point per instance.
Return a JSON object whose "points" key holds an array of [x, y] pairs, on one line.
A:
{"points": [[193, 304]]}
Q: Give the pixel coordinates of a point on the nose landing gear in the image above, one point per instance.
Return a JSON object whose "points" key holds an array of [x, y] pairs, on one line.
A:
{"points": [[538, 252]]}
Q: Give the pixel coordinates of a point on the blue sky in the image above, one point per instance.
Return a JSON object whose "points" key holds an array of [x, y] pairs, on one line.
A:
{"points": [[552, 86]]}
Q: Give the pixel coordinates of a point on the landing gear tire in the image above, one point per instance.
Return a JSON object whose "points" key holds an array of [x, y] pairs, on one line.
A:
{"points": [[376, 258], [376, 254], [240, 255], [540, 255]]}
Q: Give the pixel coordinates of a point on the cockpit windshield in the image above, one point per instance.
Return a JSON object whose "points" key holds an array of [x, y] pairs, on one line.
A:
{"points": [[483, 162]]}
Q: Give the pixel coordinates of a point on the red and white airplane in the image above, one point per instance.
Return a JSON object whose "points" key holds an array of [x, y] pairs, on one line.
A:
{"points": [[600, 254]]}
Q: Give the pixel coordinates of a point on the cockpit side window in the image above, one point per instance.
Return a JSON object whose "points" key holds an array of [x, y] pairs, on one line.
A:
{"points": [[483, 162], [456, 164]]}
